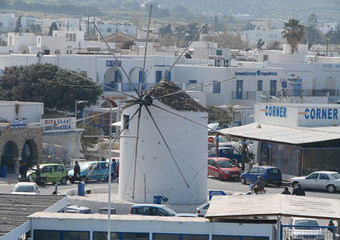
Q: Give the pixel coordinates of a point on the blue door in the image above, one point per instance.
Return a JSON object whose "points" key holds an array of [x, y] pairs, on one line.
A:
{"points": [[272, 88], [297, 87], [239, 89]]}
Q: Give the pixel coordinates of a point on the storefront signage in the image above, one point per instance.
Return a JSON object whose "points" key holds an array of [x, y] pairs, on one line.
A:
{"points": [[113, 63], [257, 73], [321, 113], [58, 123], [275, 111]]}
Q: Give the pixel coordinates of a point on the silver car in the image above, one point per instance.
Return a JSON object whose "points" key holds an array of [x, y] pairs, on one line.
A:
{"points": [[321, 180], [306, 228]]}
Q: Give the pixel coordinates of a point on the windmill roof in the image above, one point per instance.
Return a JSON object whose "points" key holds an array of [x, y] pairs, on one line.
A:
{"points": [[179, 99]]}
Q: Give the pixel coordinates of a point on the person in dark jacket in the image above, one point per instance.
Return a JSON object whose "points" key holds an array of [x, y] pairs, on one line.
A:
{"points": [[37, 174], [76, 171], [259, 185], [286, 191], [299, 191]]}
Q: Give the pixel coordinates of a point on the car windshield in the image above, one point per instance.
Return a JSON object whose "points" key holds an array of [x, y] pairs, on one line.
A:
{"points": [[306, 222], [170, 211], [83, 165], [336, 175], [23, 189], [221, 139], [225, 164]]}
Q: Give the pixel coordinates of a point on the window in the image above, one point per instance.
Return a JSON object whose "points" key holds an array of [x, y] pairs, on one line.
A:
{"points": [[216, 87], [109, 30], [253, 170], [219, 52], [76, 235], [225, 238], [324, 176], [126, 119], [169, 76], [272, 87], [313, 176], [192, 81], [103, 236], [159, 236], [45, 234], [58, 168], [259, 85], [158, 76], [261, 170], [117, 76], [134, 236], [47, 169], [239, 89]]}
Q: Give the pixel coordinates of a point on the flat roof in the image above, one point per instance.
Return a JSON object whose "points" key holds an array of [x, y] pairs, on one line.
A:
{"points": [[128, 217], [15, 209], [237, 206], [280, 134]]}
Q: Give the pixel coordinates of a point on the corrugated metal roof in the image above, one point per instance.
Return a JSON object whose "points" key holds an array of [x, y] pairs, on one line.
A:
{"points": [[228, 207], [289, 135]]}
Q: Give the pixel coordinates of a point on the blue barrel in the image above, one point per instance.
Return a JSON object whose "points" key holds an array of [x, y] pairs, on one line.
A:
{"points": [[157, 199], [81, 188], [4, 171]]}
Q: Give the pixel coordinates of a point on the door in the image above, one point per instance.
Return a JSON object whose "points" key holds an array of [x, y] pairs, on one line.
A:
{"points": [[297, 87], [58, 172], [323, 182], [272, 88], [252, 176], [214, 168], [311, 181], [239, 89], [47, 172]]}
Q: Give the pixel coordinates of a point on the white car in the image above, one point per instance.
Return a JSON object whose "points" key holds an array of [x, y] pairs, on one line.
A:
{"points": [[26, 188], [202, 210], [306, 228], [321, 180], [152, 210]]}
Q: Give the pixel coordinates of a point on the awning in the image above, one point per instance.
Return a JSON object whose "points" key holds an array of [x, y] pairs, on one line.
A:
{"points": [[231, 207], [289, 135]]}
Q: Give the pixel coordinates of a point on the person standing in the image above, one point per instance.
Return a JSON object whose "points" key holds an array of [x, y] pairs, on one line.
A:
{"points": [[37, 174], [286, 191], [76, 171], [24, 171], [21, 171], [299, 191], [114, 169]]}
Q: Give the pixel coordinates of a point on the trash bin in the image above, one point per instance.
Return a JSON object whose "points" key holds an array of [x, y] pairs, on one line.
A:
{"points": [[157, 199], [3, 171], [81, 188]]}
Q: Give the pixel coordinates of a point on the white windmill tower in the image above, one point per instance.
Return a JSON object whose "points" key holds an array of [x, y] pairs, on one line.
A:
{"points": [[162, 153]]}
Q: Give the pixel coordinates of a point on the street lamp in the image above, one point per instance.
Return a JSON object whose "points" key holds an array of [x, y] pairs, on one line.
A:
{"points": [[76, 105]]}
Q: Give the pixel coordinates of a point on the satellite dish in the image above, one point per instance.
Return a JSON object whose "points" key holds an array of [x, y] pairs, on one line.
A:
{"points": [[23, 49]]}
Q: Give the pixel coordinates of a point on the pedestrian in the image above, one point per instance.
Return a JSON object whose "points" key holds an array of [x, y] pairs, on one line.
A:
{"points": [[299, 191], [114, 169], [259, 185], [37, 174], [21, 171], [286, 191], [76, 171], [24, 171]]}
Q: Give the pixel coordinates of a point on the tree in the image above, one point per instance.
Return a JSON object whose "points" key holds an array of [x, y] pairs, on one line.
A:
{"points": [[312, 36], [165, 30], [52, 28], [312, 20], [333, 36], [293, 33], [56, 88], [89, 138], [18, 24]]}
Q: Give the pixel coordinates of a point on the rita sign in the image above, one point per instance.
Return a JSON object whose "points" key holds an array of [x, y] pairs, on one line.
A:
{"points": [[58, 123]]}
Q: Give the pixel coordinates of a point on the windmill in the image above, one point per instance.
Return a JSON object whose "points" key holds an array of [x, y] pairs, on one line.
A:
{"points": [[163, 141]]}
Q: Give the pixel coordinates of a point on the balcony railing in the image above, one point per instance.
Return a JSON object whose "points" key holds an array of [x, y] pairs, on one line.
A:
{"points": [[248, 95]]}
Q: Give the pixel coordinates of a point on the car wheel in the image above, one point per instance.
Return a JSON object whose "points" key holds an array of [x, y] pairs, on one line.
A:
{"points": [[295, 184], [243, 180], [331, 188], [63, 181], [220, 177]]}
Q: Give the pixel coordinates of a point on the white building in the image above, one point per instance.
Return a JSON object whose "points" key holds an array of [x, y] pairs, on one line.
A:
{"points": [[268, 36]]}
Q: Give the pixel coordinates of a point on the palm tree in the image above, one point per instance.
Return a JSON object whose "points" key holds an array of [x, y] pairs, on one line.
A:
{"points": [[293, 33]]}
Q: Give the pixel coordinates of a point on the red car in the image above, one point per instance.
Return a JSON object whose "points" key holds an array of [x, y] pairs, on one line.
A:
{"points": [[223, 168]]}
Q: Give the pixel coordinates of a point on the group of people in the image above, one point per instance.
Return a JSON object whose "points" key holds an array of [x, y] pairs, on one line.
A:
{"points": [[258, 187], [23, 168], [298, 191]]}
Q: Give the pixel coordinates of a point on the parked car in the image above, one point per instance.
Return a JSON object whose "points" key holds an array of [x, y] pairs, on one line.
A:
{"points": [[271, 175], [50, 172], [26, 188], [223, 168], [226, 152], [77, 209], [222, 142], [306, 228], [202, 210], [152, 210], [92, 170], [320, 180]]}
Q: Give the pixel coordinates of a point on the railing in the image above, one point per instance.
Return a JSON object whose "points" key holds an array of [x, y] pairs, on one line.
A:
{"points": [[128, 87], [108, 87], [308, 232], [248, 95]]}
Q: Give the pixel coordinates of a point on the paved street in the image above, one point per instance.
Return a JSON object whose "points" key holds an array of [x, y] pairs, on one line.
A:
{"points": [[215, 184]]}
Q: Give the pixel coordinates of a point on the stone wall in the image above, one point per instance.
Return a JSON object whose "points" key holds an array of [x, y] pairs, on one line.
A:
{"points": [[18, 137]]}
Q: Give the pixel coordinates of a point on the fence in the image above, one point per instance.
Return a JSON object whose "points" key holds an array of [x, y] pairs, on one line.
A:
{"points": [[295, 232]]}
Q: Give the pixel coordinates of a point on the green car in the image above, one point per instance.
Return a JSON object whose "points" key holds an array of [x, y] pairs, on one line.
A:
{"points": [[50, 172]]}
